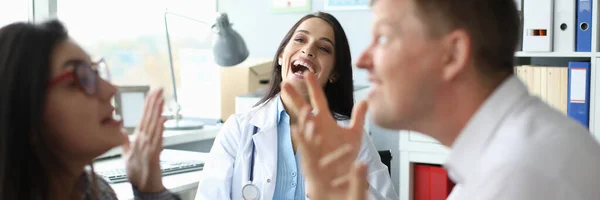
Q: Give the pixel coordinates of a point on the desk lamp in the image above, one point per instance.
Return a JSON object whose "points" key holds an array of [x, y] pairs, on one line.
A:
{"points": [[229, 49]]}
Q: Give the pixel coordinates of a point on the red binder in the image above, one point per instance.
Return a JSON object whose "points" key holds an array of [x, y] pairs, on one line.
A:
{"points": [[431, 182]]}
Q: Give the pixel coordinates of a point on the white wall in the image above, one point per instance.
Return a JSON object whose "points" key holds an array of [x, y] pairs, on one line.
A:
{"points": [[263, 30]]}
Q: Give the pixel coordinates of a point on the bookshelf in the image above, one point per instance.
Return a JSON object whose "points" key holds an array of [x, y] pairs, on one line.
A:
{"points": [[418, 148], [521, 54]]}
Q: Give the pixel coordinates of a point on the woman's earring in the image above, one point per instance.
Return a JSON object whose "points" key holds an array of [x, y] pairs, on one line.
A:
{"points": [[331, 80], [279, 61]]}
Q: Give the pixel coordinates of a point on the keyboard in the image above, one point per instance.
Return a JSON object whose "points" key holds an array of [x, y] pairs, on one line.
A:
{"points": [[119, 175]]}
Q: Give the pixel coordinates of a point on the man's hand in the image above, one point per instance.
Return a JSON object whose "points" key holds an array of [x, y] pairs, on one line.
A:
{"points": [[318, 171], [358, 183], [142, 155], [335, 147]]}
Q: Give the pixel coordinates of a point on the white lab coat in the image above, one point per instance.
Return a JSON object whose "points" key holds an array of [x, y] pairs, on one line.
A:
{"points": [[226, 171]]}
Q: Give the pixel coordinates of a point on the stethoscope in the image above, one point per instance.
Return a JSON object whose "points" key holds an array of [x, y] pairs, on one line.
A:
{"points": [[250, 191]]}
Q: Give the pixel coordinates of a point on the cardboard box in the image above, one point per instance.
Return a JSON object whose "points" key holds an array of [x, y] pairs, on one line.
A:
{"points": [[249, 76]]}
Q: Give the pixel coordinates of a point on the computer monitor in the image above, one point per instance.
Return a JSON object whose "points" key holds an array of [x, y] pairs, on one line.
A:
{"points": [[129, 105]]}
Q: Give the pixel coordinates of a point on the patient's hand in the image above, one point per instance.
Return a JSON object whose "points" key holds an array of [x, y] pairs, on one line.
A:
{"points": [[142, 155]]}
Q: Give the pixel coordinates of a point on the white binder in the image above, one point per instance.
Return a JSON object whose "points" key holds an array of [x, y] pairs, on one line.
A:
{"points": [[537, 25], [519, 4], [565, 25]]}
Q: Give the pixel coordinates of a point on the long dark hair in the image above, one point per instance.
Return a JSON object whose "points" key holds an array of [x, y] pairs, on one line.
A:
{"points": [[25, 60], [339, 94]]}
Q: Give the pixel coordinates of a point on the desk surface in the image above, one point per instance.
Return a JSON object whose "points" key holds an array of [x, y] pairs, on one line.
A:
{"points": [[177, 137], [174, 183]]}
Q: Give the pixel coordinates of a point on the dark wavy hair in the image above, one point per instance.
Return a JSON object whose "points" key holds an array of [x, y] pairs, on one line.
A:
{"points": [[340, 96], [25, 60]]}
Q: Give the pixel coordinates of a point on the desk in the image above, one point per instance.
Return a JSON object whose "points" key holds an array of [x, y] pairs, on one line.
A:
{"points": [[177, 137], [184, 183]]}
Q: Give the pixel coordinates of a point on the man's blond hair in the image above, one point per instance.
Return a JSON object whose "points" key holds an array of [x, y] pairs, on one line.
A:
{"points": [[492, 25]]}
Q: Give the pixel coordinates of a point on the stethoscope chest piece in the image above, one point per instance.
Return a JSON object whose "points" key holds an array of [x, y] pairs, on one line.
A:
{"points": [[250, 192]]}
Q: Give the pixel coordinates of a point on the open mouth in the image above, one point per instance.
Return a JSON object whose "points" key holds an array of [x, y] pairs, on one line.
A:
{"points": [[111, 120], [374, 80], [299, 66]]}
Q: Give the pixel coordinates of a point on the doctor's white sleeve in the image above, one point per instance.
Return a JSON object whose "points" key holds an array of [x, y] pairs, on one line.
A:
{"points": [[218, 170], [380, 182]]}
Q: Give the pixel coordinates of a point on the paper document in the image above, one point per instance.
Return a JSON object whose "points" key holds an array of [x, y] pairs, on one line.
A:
{"points": [[578, 86]]}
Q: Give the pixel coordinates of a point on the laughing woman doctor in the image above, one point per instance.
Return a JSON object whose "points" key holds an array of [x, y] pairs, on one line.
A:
{"points": [[254, 157]]}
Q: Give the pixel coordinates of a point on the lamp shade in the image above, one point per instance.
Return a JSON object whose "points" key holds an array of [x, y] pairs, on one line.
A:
{"points": [[229, 47]]}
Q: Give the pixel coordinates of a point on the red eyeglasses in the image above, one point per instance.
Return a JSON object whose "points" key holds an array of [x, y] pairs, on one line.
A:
{"points": [[86, 74]]}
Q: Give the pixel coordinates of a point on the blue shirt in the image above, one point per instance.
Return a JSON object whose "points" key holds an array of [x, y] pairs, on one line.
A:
{"points": [[289, 182]]}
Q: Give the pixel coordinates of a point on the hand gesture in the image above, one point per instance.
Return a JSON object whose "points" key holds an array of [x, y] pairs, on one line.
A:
{"points": [[320, 126], [142, 155], [317, 170], [358, 183]]}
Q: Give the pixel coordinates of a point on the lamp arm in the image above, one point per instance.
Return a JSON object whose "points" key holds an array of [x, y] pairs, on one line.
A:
{"points": [[185, 17], [171, 65]]}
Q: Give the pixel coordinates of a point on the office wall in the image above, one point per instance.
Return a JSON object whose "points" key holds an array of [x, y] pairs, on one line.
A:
{"points": [[263, 31]]}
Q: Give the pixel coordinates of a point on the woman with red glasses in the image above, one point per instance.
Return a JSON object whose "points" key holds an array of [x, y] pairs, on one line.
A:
{"points": [[56, 117]]}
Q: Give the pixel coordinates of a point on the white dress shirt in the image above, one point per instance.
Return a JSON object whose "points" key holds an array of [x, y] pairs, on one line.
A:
{"points": [[516, 147]]}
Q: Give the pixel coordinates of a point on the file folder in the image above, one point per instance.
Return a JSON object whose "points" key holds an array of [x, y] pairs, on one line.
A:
{"points": [[519, 4], [564, 25], [579, 92], [537, 25], [537, 80], [553, 81], [564, 87], [584, 26], [544, 84]]}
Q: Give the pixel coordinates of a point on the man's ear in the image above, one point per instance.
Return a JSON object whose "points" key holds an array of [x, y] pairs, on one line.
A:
{"points": [[457, 55]]}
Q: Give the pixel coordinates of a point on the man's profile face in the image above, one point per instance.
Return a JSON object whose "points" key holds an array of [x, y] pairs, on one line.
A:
{"points": [[403, 63]]}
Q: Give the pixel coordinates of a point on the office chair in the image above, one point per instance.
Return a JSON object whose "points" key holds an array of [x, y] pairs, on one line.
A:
{"points": [[386, 159]]}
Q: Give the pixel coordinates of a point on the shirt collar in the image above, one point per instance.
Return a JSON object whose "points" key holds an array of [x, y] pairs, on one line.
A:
{"points": [[280, 109], [474, 138]]}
